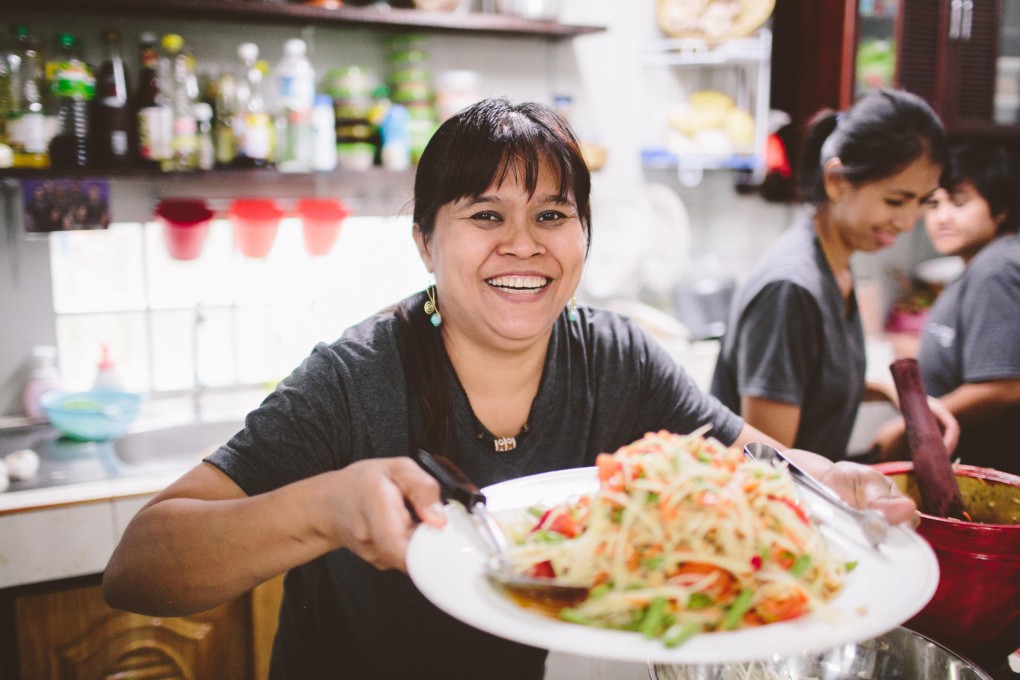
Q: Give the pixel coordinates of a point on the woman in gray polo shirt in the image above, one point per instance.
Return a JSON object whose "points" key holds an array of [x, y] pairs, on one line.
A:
{"points": [[970, 347], [792, 361]]}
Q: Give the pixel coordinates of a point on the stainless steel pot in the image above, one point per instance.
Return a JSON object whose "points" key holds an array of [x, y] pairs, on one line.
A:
{"points": [[900, 654]]}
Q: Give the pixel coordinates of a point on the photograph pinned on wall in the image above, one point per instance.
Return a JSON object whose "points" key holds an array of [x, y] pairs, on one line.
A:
{"points": [[71, 204]]}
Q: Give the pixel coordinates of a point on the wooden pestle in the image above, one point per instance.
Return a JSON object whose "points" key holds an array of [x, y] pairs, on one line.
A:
{"points": [[940, 492]]}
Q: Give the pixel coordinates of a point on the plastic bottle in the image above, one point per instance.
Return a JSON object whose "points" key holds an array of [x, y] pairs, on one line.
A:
{"points": [[72, 88], [203, 136], [26, 120], [43, 378], [323, 134], [253, 132], [111, 114], [295, 98], [106, 373], [155, 117], [183, 88], [396, 138]]}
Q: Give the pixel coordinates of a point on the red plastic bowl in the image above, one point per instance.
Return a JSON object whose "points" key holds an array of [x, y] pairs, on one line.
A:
{"points": [[976, 609], [185, 226], [256, 221], [321, 219]]}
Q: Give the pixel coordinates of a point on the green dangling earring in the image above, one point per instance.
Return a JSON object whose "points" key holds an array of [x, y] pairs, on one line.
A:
{"points": [[572, 310], [430, 307]]}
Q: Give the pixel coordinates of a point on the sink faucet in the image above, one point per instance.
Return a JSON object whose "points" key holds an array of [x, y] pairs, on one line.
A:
{"points": [[196, 380]]}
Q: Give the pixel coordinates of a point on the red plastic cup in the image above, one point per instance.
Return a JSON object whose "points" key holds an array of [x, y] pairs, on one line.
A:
{"points": [[256, 221], [185, 226], [321, 220]]}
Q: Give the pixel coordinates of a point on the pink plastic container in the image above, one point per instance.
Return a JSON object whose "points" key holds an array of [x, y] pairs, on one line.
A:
{"points": [[321, 220], [256, 221], [185, 226]]}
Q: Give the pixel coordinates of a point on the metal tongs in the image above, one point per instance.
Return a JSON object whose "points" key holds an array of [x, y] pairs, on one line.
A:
{"points": [[455, 485], [871, 522]]}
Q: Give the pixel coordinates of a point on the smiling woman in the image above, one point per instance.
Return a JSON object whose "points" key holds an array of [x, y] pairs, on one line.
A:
{"points": [[792, 362], [509, 383]]}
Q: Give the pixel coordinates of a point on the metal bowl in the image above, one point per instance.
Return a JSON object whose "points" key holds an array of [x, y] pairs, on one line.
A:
{"points": [[900, 654]]}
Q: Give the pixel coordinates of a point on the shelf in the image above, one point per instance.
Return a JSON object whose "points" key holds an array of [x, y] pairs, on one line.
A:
{"points": [[267, 11]]}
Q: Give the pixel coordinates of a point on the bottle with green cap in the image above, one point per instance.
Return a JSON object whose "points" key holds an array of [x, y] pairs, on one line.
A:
{"points": [[72, 87], [183, 87]]}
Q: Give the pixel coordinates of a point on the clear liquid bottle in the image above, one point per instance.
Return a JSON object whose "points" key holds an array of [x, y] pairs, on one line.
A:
{"points": [[253, 128], [72, 88], [111, 112], [44, 377], [26, 119], [295, 98], [183, 91], [224, 120], [154, 134]]}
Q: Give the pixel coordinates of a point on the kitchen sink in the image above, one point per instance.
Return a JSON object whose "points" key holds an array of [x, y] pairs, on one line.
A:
{"points": [[174, 445]]}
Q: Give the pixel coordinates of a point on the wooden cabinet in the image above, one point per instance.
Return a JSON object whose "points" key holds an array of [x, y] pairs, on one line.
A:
{"points": [[70, 634], [963, 56]]}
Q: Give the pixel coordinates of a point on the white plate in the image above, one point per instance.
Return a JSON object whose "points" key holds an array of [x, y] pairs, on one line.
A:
{"points": [[887, 588]]}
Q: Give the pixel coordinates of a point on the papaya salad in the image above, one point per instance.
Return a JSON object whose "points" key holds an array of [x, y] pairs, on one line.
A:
{"points": [[683, 536]]}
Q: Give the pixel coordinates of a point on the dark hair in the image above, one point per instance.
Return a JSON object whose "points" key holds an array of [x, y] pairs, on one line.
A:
{"points": [[482, 145], [993, 173], [881, 134]]}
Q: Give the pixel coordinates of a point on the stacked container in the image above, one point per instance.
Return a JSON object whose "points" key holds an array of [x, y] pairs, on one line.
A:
{"points": [[352, 89], [411, 86]]}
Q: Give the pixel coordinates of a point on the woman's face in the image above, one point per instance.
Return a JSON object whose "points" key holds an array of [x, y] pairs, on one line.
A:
{"points": [[506, 263], [870, 216], [959, 222]]}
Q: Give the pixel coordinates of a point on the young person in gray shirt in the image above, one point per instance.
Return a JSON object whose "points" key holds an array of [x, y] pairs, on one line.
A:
{"points": [[970, 345], [495, 366], [792, 361]]}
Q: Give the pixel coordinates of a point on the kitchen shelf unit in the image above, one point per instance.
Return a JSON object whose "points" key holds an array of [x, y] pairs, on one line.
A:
{"points": [[749, 60], [267, 11]]}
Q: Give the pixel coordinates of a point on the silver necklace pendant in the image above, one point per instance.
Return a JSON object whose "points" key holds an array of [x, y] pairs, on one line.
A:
{"points": [[504, 444]]}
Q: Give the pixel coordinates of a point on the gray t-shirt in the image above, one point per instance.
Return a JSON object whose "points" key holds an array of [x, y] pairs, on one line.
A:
{"points": [[604, 384], [791, 338], [973, 335]]}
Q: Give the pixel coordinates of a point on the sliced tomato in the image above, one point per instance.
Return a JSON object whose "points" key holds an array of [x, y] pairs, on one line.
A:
{"points": [[791, 605], [799, 511], [565, 525], [542, 570], [723, 587]]}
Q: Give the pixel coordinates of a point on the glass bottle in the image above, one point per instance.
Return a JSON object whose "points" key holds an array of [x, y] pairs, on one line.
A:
{"points": [[44, 377], [26, 120], [111, 117], [183, 91], [224, 124], [253, 131], [204, 148], [155, 117], [72, 88], [295, 98]]}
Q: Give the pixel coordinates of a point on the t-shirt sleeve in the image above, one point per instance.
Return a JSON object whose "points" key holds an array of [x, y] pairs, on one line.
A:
{"points": [[673, 401], [300, 430], [778, 343], [991, 326]]}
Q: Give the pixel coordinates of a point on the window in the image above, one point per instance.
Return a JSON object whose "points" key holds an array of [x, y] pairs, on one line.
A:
{"points": [[224, 319]]}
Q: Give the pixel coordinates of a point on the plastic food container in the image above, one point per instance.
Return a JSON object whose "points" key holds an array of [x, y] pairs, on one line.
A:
{"points": [[185, 226], [321, 219], [93, 415], [256, 221]]}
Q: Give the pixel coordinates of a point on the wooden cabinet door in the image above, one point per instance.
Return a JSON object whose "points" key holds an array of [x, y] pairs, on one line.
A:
{"points": [[74, 635], [948, 55]]}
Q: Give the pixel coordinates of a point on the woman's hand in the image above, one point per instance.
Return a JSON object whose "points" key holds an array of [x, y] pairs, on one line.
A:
{"points": [[369, 514], [865, 487], [890, 441]]}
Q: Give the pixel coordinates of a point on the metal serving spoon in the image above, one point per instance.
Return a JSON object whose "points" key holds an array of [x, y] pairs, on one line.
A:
{"points": [[546, 593], [871, 522]]}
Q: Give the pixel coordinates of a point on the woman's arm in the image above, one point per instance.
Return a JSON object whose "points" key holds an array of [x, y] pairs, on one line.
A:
{"points": [[859, 485], [202, 541], [979, 403], [779, 419]]}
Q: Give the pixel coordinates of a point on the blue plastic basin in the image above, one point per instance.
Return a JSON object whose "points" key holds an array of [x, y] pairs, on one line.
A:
{"points": [[91, 416]]}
